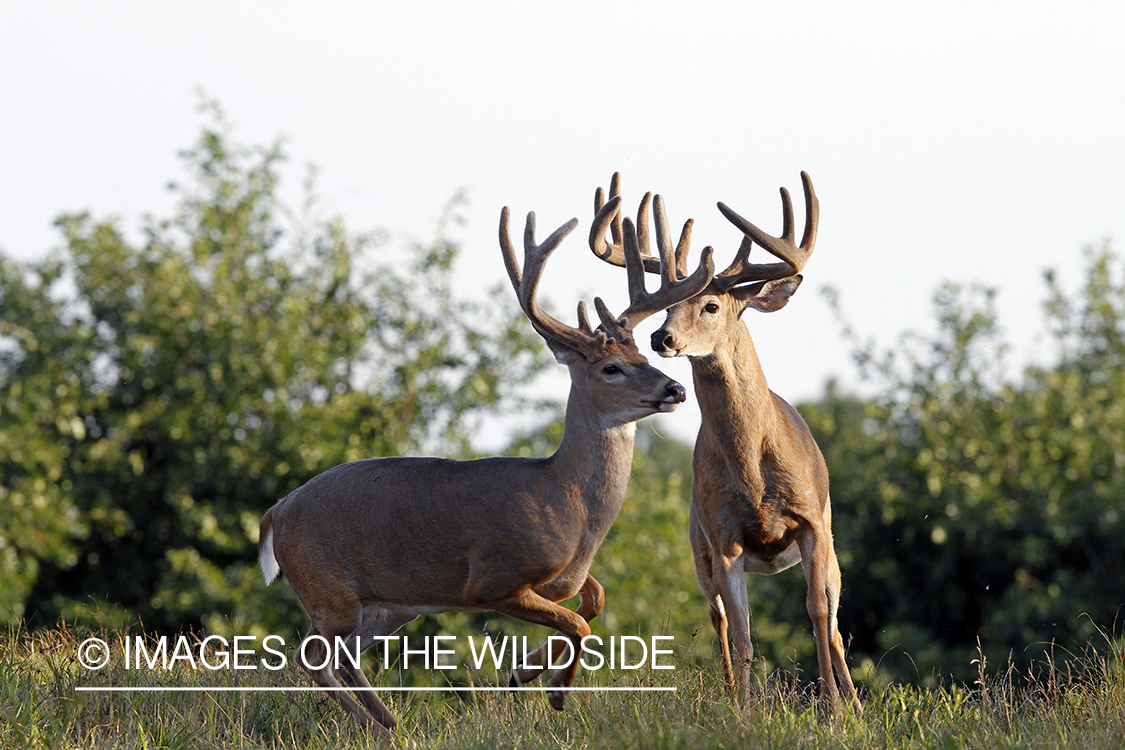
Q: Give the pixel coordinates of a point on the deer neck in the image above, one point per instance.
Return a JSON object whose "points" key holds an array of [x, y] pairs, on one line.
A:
{"points": [[736, 404], [595, 458]]}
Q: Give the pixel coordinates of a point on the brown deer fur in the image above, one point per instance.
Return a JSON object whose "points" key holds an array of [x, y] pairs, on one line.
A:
{"points": [[760, 500], [370, 545]]}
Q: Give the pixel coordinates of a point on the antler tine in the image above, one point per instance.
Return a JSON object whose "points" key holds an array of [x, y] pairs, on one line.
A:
{"points": [[607, 215], [615, 192], [668, 268], [783, 247], [525, 284], [583, 321], [672, 290]]}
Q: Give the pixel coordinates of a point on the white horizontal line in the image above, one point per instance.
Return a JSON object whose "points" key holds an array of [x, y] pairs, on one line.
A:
{"points": [[217, 689]]}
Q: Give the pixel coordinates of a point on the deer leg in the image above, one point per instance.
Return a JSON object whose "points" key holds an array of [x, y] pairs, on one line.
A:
{"points": [[715, 610], [814, 561], [593, 600], [377, 622], [719, 622], [836, 645], [317, 659], [705, 574], [531, 607], [730, 581]]}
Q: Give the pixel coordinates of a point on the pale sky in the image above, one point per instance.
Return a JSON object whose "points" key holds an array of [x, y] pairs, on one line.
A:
{"points": [[977, 142]]}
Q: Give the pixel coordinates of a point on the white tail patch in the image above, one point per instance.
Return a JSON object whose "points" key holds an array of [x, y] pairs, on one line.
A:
{"points": [[270, 568]]}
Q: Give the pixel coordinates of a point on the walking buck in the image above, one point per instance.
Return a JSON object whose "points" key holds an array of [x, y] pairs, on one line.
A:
{"points": [[370, 545], [759, 497]]}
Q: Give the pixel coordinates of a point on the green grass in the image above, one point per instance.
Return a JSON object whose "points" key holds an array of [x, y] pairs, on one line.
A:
{"points": [[1078, 705]]}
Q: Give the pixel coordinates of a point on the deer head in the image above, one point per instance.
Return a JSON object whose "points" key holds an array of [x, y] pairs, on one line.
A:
{"points": [[696, 326], [605, 362]]}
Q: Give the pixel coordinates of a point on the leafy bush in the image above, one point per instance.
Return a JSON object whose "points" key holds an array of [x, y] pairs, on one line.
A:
{"points": [[155, 399], [968, 505]]}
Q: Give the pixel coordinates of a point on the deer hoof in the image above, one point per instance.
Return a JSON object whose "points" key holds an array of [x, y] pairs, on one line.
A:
{"points": [[557, 699]]}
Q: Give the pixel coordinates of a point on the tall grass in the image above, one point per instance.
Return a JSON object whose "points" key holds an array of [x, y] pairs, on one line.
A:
{"points": [[1079, 702]]}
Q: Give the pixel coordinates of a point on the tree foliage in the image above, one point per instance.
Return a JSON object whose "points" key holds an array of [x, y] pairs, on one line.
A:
{"points": [[971, 505], [157, 397]]}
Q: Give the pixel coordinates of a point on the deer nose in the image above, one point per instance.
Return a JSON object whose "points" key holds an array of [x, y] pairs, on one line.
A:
{"points": [[677, 392], [661, 341]]}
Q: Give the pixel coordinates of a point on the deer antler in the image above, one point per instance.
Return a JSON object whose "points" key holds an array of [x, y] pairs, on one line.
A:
{"points": [[784, 247], [581, 339], [607, 216], [642, 303], [630, 249]]}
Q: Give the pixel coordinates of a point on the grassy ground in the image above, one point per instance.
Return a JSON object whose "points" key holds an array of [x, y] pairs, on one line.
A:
{"points": [[1082, 705]]}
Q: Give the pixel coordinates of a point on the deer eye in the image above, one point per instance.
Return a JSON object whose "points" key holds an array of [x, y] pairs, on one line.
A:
{"points": [[611, 369], [711, 307]]}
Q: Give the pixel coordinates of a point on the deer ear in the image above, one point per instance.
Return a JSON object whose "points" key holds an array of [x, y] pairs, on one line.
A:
{"points": [[564, 355], [768, 296]]}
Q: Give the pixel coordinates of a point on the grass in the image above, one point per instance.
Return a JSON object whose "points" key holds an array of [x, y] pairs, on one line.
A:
{"points": [[1080, 703]]}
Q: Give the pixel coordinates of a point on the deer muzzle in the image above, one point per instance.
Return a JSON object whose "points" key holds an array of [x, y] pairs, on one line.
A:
{"points": [[663, 344], [673, 393]]}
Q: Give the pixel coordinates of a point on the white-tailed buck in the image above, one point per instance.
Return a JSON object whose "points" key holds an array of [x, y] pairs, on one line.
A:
{"points": [[370, 545], [759, 497]]}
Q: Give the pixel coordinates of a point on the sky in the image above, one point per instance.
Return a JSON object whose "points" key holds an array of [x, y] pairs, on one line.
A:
{"points": [[976, 142]]}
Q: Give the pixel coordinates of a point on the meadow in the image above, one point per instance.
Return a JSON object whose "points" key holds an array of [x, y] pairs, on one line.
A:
{"points": [[1079, 703]]}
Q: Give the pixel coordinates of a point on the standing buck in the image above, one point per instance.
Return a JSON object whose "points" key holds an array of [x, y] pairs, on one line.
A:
{"points": [[370, 545], [759, 496]]}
